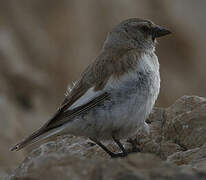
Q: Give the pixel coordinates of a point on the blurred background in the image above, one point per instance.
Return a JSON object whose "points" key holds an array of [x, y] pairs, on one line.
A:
{"points": [[45, 44]]}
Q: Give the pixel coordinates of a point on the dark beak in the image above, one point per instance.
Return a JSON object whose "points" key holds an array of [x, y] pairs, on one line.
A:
{"points": [[159, 31]]}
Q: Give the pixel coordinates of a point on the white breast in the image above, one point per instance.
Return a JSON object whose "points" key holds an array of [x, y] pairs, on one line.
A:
{"points": [[132, 97], [150, 66]]}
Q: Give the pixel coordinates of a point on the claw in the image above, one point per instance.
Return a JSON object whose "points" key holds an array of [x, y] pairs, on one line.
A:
{"points": [[118, 155]]}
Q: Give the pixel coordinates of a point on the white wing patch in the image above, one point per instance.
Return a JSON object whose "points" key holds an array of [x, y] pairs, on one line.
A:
{"points": [[88, 96], [110, 86]]}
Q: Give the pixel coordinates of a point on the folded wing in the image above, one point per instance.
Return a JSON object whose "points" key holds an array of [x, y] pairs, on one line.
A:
{"points": [[76, 102], [60, 118]]}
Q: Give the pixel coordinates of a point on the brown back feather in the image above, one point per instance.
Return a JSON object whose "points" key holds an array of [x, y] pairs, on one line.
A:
{"points": [[96, 75]]}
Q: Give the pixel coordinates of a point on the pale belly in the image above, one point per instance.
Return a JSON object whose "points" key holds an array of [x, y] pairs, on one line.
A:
{"points": [[124, 113]]}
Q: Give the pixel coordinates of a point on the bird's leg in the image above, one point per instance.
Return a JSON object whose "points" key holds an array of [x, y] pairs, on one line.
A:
{"points": [[103, 147], [119, 144], [124, 153]]}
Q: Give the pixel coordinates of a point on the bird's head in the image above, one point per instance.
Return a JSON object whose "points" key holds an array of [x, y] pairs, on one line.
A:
{"points": [[135, 34]]}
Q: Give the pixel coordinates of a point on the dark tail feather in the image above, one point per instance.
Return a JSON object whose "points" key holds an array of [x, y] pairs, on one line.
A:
{"points": [[38, 135], [29, 140]]}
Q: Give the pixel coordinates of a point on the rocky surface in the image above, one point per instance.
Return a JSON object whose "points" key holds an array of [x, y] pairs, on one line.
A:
{"points": [[175, 149], [44, 45]]}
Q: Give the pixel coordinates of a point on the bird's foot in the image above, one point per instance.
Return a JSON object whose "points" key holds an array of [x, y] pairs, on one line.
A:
{"points": [[118, 155]]}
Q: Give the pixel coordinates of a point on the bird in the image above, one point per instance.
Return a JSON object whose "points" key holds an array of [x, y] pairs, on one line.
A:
{"points": [[115, 93]]}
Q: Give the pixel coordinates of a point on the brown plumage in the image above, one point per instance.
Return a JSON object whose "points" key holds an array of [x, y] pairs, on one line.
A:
{"points": [[121, 52], [96, 75]]}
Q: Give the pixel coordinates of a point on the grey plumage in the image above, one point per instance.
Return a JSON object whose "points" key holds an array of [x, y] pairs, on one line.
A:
{"points": [[115, 93]]}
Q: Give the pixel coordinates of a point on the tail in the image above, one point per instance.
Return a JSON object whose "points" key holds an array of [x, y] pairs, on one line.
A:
{"points": [[38, 135]]}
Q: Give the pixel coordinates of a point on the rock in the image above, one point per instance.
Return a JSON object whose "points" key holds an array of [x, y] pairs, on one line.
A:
{"points": [[183, 105], [135, 167], [43, 48], [175, 149], [188, 129], [192, 157]]}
